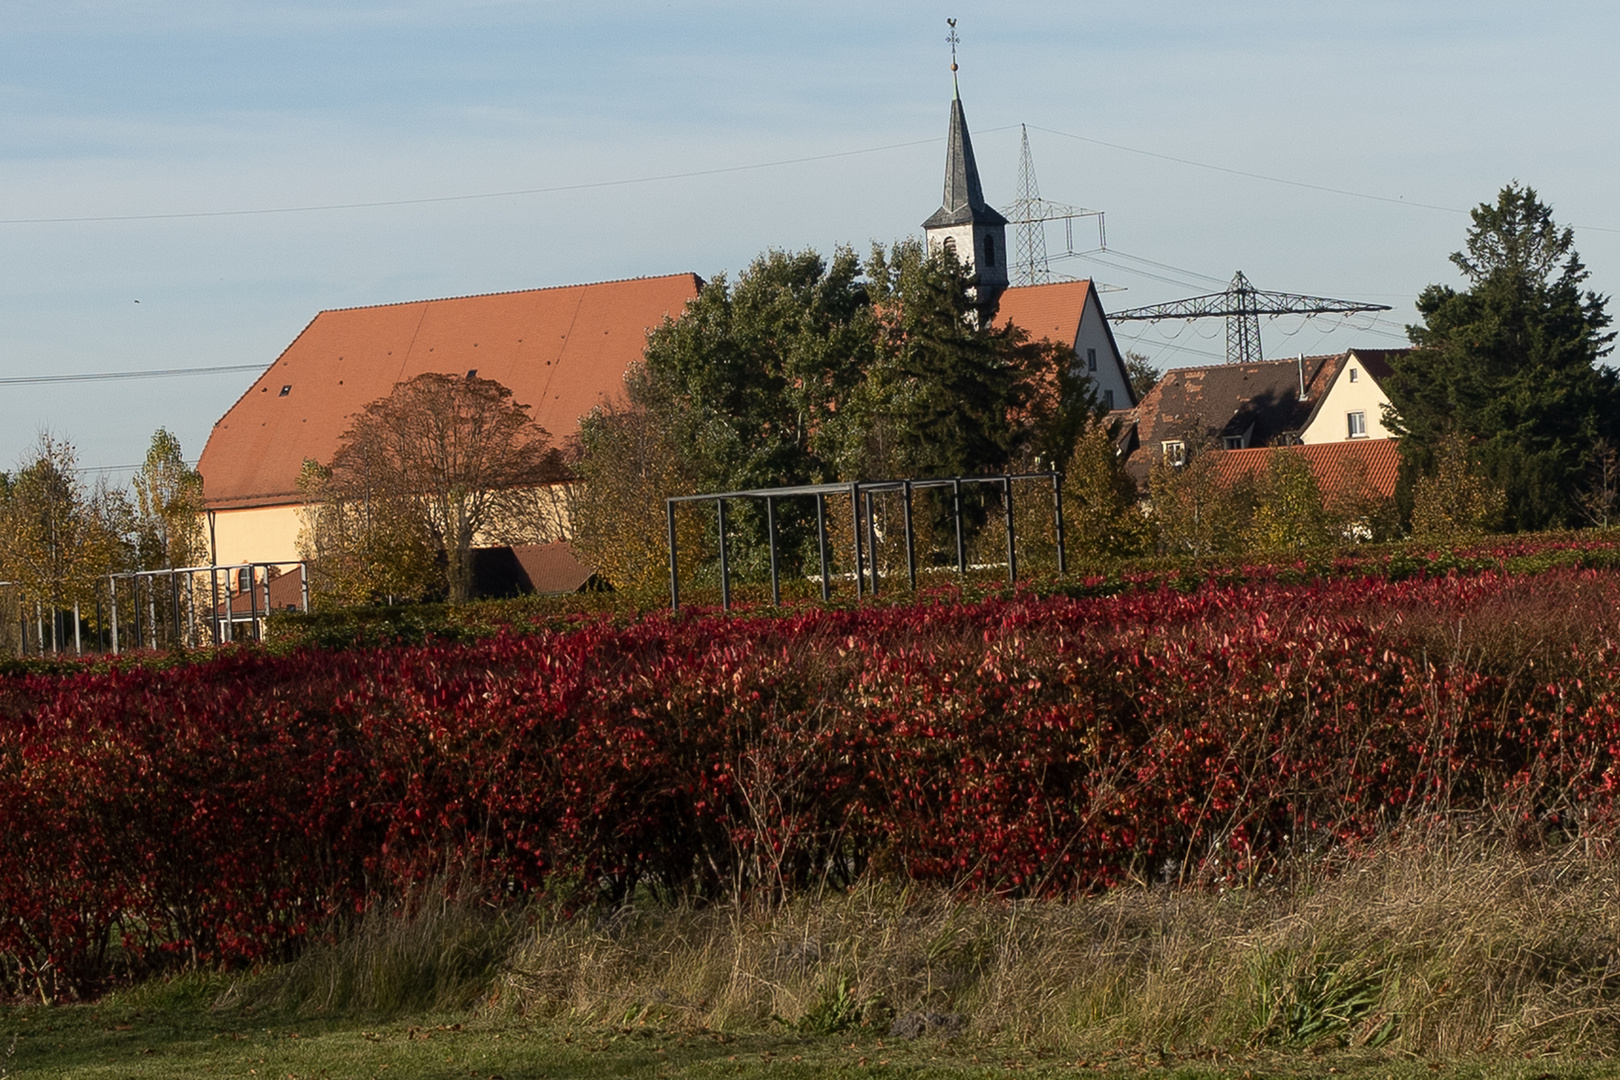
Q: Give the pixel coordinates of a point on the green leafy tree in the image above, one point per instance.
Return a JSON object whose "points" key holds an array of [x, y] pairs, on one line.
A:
{"points": [[1288, 508], [58, 538], [363, 544], [1510, 364], [1192, 512], [1102, 510], [1455, 501], [1144, 374], [809, 370], [633, 459], [169, 508], [954, 394]]}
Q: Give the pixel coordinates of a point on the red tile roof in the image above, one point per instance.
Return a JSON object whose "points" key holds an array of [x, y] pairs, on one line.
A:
{"points": [[1368, 465], [561, 351], [1046, 311]]}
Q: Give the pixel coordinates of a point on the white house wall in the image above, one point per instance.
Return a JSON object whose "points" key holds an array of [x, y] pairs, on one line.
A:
{"points": [[1093, 335], [1344, 397]]}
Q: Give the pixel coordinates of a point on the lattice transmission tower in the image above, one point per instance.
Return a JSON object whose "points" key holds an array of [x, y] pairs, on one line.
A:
{"points": [[1241, 305], [1029, 214]]}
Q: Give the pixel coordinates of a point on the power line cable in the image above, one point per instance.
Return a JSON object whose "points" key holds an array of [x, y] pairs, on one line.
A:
{"points": [[480, 195], [1278, 179], [107, 376]]}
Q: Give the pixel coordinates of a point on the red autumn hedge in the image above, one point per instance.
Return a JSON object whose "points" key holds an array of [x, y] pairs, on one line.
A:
{"points": [[220, 811]]}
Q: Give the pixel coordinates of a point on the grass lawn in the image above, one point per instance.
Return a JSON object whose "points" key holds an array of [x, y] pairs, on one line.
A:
{"points": [[187, 1038]]}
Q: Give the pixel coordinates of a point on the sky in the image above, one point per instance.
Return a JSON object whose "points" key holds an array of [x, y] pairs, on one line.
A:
{"points": [[186, 184]]}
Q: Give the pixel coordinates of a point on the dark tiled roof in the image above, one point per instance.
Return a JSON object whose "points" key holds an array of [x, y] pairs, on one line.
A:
{"points": [[1350, 467], [528, 568], [1261, 400], [964, 196], [561, 351]]}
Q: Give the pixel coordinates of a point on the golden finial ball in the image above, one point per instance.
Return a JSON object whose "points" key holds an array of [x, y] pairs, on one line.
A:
{"points": [[953, 67]]}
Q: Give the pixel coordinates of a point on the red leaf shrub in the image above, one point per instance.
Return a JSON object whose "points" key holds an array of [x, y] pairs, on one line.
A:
{"points": [[221, 811]]}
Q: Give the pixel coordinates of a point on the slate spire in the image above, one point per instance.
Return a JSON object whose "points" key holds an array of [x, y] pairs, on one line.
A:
{"points": [[964, 197]]}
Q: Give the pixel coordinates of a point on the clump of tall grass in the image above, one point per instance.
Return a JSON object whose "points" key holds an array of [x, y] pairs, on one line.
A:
{"points": [[437, 952], [1439, 948]]}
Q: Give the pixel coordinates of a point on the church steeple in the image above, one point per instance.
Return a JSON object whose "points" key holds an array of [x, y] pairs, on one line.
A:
{"points": [[965, 223]]}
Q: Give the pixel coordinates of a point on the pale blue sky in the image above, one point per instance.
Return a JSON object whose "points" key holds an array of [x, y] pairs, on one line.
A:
{"points": [[166, 107]]}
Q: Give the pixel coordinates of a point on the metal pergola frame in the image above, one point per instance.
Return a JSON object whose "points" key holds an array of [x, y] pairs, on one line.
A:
{"points": [[222, 620], [856, 490]]}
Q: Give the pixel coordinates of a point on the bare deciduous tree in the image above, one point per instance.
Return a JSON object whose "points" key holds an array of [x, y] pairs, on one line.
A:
{"points": [[456, 456]]}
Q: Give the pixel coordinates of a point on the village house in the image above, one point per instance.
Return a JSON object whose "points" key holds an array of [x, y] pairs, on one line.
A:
{"points": [[1303, 401]]}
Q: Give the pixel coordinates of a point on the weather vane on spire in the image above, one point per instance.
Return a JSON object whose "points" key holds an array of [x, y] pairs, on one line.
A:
{"points": [[952, 40]]}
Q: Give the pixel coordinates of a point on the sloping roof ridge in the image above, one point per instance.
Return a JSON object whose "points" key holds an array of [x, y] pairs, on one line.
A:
{"points": [[1273, 360], [511, 292], [267, 369], [1050, 284]]}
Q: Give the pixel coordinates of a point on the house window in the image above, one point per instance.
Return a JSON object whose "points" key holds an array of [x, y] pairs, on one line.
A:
{"points": [[244, 578], [1234, 442], [1357, 424], [1108, 398], [1091, 359], [989, 251], [1355, 374], [285, 390], [1175, 451], [472, 373]]}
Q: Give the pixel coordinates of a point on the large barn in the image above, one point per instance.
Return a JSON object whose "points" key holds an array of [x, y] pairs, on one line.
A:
{"points": [[561, 351]]}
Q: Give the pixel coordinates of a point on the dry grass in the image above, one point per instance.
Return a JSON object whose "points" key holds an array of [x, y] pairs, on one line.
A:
{"points": [[1447, 950], [429, 955]]}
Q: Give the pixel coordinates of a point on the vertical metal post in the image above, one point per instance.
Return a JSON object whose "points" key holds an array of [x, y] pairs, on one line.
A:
{"points": [[855, 515], [911, 541], [1012, 543], [1057, 520], [821, 540], [39, 625], [871, 542], [303, 586], [78, 645], [770, 533], [961, 545], [151, 610], [266, 602], [215, 631], [174, 603], [725, 568], [674, 559], [253, 600]]}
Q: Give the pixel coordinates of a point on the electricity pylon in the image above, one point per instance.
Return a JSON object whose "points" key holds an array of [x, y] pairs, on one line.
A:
{"points": [[1241, 305], [1029, 215]]}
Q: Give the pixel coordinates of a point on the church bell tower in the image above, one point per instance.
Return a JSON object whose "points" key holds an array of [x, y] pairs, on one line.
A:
{"points": [[965, 223]]}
